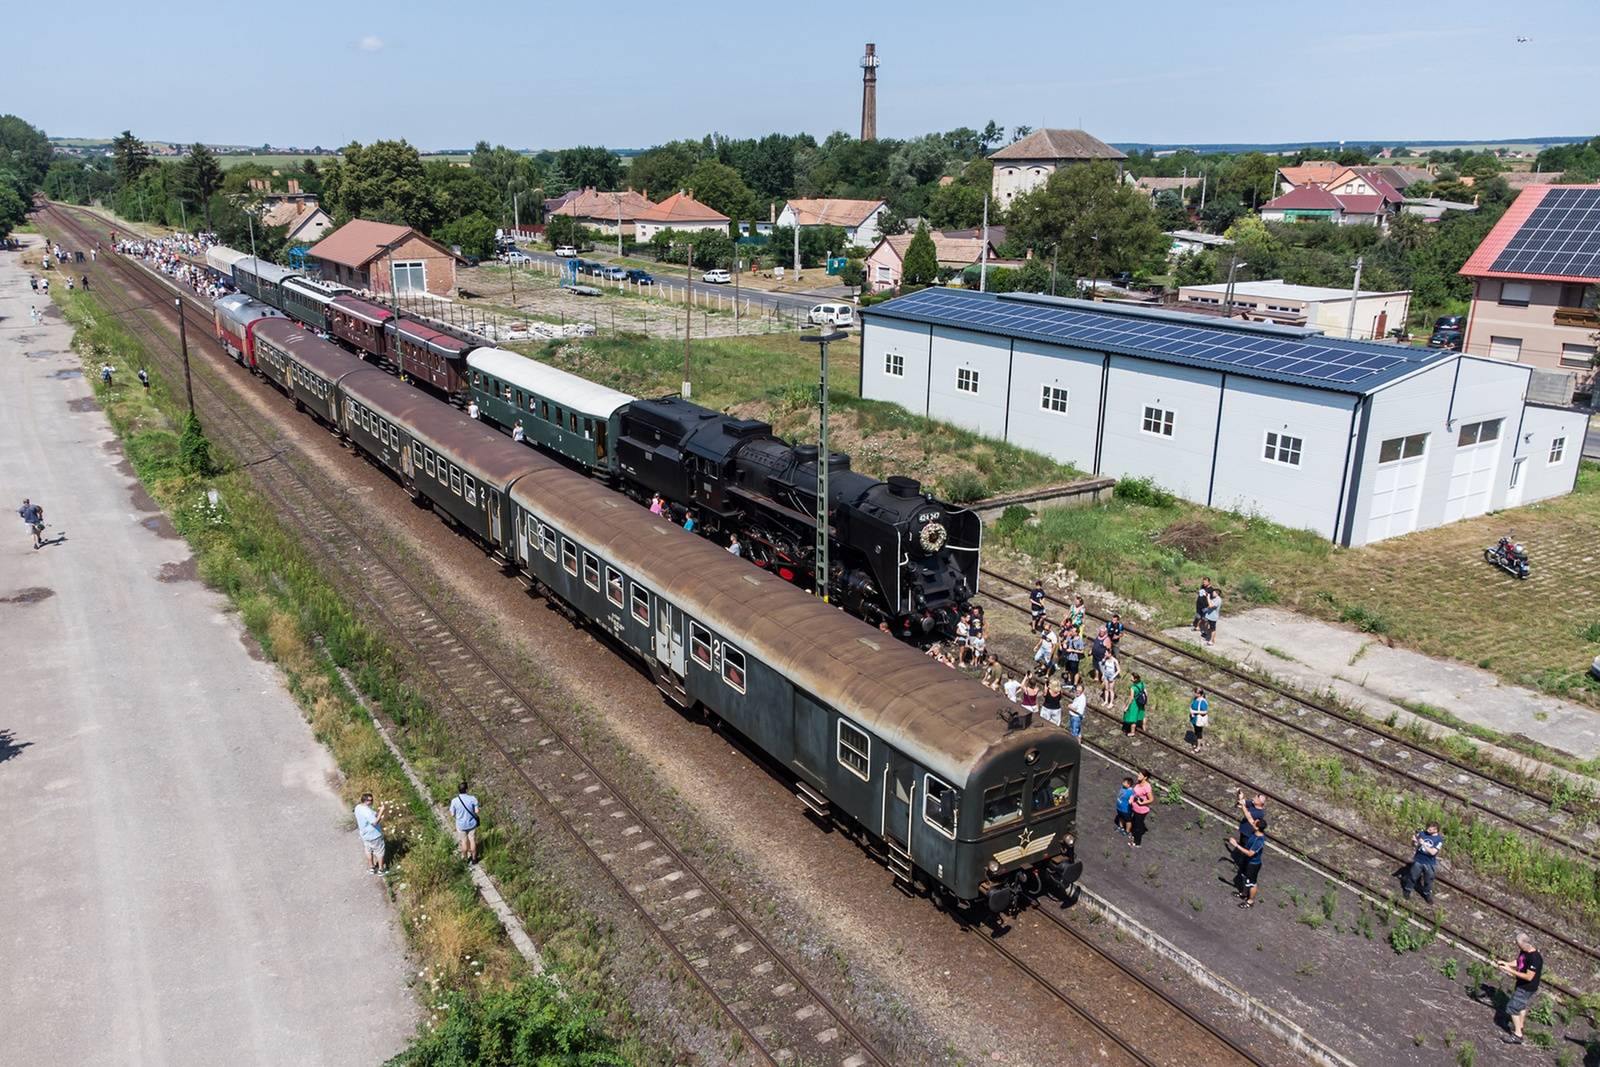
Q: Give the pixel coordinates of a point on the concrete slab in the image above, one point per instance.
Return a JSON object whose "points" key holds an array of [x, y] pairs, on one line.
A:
{"points": [[183, 883], [1370, 675]]}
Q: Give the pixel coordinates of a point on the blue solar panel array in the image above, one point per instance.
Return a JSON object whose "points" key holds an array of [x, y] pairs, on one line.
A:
{"points": [[1561, 237], [1344, 365]]}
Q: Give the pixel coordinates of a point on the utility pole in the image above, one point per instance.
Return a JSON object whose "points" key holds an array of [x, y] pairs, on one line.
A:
{"points": [[688, 316], [1055, 261], [823, 569], [736, 280], [983, 253], [1203, 176], [251, 221], [619, 225], [183, 345], [797, 245], [1227, 299], [1355, 294]]}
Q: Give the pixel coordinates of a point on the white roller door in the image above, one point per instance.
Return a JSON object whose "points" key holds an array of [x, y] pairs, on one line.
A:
{"points": [[1472, 475], [1397, 486]]}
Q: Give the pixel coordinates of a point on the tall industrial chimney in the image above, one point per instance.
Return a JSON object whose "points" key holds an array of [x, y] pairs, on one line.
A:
{"points": [[869, 94]]}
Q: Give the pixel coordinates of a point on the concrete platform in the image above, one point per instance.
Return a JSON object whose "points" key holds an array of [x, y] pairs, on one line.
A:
{"points": [[183, 883]]}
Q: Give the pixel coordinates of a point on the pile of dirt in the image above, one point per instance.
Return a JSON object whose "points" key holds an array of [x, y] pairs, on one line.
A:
{"points": [[1193, 538]]}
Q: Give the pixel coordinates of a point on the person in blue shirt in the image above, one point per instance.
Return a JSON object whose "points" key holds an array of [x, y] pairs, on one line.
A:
{"points": [[1199, 717], [1247, 854], [688, 521], [369, 824], [1424, 864], [465, 808], [1124, 806]]}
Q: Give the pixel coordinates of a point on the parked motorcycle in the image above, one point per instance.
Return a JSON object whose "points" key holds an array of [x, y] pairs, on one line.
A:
{"points": [[1509, 556]]}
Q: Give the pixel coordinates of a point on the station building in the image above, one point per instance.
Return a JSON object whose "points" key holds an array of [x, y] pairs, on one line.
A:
{"points": [[1356, 440]]}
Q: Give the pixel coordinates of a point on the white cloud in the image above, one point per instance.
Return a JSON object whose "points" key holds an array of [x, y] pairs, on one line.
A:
{"points": [[372, 43]]}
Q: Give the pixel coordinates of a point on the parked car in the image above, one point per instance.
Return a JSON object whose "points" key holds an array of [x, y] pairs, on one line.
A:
{"points": [[833, 315], [517, 259], [1446, 323], [566, 252], [639, 277], [1594, 668], [717, 276], [589, 266], [1449, 340], [613, 274], [470, 260]]}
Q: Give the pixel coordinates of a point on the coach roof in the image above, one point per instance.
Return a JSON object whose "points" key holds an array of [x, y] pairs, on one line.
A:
{"points": [[322, 357], [549, 382]]}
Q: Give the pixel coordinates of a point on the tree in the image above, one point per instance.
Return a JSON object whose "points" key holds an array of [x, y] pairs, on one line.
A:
{"points": [[956, 206], [719, 187], [474, 234], [564, 230], [26, 150], [199, 176], [1482, 165], [13, 209], [853, 274], [385, 182], [1098, 222], [533, 1024], [1250, 177], [1352, 157], [132, 156], [664, 168], [590, 168], [1170, 212], [769, 167], [1219, 213], [921, 264]]}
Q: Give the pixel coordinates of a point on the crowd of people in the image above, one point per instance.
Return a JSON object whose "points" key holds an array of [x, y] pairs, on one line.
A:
{"points": [[167, 254]]}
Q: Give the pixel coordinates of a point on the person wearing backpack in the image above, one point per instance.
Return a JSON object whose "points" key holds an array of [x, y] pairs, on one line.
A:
{"points": [[1138, 702]]}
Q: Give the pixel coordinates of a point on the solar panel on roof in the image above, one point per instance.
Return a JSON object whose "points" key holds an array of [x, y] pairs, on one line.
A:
{"points": [[1560, 237]]}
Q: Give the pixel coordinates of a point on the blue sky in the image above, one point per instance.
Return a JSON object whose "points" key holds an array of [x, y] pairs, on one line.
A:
{"points": [[627, 75]]}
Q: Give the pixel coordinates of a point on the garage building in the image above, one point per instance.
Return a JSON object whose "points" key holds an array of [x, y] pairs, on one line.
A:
{"points": [[1356, 440]]}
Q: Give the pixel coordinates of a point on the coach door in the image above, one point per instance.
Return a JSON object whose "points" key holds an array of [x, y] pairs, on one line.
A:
{"points": [[668, 641]]}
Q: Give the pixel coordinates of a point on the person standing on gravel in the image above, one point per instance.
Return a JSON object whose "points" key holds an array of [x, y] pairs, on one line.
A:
{"points": [[1202, 601], [1109, 669], [1044, 653], [1208, 629], [1050, 703], [1072, 655], [1428, 842], [1138, 701], [1139, 807], [1079, 705], [369, 824], [1036, 604], [1247, 854], [1528, 970], [1199, 716]]}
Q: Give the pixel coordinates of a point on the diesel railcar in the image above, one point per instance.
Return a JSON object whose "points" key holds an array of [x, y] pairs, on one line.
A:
{"points": [[236, 317], [962, 796]]}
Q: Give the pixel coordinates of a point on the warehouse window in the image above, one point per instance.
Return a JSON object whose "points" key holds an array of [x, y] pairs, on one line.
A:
{"points": [[894, 363], [614, 586], [855, 750], [1053, 399], [1281, 448], [1558, 448], [1403, 447], [569, 556], [700, 644], [733, 667], [410, 276], [591, 571], [641, 605], [1477, 433], [1158, 421], [940, 802], [967, 380]]}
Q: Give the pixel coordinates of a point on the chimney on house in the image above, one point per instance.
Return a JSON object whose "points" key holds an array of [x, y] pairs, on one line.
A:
{"points": [[294, 186], [869, 94]]}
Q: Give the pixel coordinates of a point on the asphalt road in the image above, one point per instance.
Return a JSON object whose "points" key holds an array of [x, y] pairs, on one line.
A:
{"points": [[671, 277], [183, 884]]}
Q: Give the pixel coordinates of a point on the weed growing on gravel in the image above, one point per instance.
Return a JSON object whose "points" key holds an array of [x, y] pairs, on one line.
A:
{"points": [[1566, 1057], [1329, 900], [1543, 1012], [1418, 1039], [1449, 968], [1467, 1055]]}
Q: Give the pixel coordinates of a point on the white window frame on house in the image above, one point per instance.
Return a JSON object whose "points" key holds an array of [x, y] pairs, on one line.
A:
{"points": [[1558, 449], [1053, 398], [1516, 294], [966, 380], [1281, 448], [885, 273], [414, 271], [894, 364], [1158, 421]]}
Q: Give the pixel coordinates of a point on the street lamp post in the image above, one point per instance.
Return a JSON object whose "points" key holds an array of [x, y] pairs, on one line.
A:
{"points": [[824, 573]]}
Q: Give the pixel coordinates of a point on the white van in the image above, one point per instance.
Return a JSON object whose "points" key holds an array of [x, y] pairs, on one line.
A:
{"points": [[833, 314]]}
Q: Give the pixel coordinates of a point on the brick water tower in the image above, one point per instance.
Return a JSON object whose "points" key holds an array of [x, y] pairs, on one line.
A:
{"points": [[869, 94]]}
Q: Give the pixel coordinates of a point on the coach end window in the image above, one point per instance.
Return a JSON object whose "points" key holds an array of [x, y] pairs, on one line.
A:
{"points": [[733, 667], [940, 802], [1002, 804], [855, 750]]}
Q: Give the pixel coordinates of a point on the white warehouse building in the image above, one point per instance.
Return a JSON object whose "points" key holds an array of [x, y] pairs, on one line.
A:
{"points": [[1356, 440]]}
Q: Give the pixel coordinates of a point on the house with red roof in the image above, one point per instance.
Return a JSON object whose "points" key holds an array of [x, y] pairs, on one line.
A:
{"points": [[381, 258], [606, 213], [1535, 282], [680, 212], [1351, 197]]}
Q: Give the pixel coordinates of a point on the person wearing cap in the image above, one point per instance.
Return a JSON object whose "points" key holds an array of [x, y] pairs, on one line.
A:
{"points": [[1527, 969], [1419, 876]]}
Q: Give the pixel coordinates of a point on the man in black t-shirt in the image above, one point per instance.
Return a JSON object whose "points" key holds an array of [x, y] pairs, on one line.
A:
{"points": [[1036, 605], [1202, 603], [1527, 969]]}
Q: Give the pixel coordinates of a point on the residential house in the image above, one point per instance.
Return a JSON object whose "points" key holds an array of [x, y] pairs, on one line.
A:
{"points": [[306, 221], [1196, 241], [1376, 206], [680, 212], [859, 219], [1431, 208], [1302, 305], [381, 258], [956, 249], [1535, 281], [1151, 186], [1027, 164], [605, 213], [554, 204]]}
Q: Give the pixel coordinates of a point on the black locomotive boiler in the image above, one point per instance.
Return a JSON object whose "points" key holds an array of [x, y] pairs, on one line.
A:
{"points": [[897, 554]]}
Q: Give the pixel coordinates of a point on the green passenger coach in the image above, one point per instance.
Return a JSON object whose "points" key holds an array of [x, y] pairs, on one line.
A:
{"points": [[561, 412]]}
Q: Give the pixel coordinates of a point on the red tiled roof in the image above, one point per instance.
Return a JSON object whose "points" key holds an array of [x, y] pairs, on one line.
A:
{"points": [[845, 213], [1313, 172], [1363, 205], [592, 205], [1058, 144], [680, 207], [1306, 198], [1478, 264], [359, 242]]}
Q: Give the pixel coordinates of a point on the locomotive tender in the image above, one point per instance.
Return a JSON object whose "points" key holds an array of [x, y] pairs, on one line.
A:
{"points": [[899, 555], [961, 796]]}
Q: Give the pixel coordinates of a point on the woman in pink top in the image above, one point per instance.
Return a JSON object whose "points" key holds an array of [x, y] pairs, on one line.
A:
{"points": [[1140, 806]]}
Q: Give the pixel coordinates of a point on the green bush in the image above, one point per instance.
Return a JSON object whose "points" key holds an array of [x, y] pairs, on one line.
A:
{"points": [[1011, 520], [194, 448], [1256, 591], [528, 1025], [963, 487], [1143, 491], [1365, 620]]}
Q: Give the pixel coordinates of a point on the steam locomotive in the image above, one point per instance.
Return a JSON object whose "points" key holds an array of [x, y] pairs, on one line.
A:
{"points": [[897, 555]]}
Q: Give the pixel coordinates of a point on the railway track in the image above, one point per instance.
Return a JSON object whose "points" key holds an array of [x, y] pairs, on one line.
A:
{"points": [[779, 1014], [714, 941], [1514, 804], [1485, 925]]}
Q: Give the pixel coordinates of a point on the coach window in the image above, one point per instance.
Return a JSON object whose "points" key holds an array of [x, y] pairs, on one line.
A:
{"points": [[416, 455], [558, 418], [614, 586], [427, 463], [519, 397], [477, 379], [733, 667], [569, 556], [533, 405], [455, 479], [547, 535], [544, 410], [1002, 804], [572, 421], [471, 488], [591, 571], [940, 802], [641, 604], [700, 644], [855, 750], [588, 429]]}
